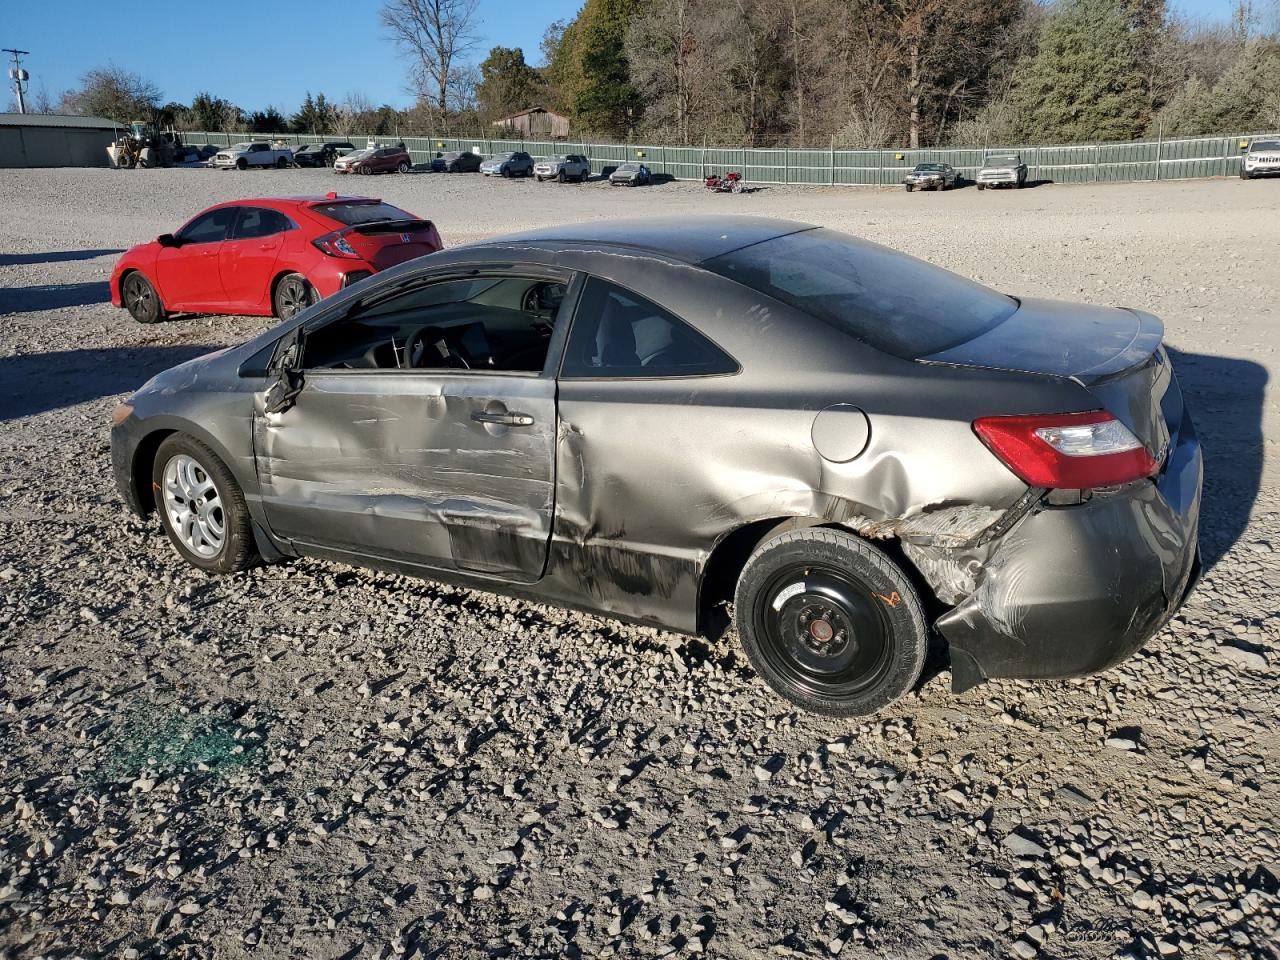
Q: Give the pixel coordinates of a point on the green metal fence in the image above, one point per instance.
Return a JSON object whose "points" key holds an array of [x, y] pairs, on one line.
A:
{"points": [[1160, 159]]}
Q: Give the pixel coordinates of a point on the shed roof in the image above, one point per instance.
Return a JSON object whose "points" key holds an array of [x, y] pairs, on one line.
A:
{"points": [[56, 120]]}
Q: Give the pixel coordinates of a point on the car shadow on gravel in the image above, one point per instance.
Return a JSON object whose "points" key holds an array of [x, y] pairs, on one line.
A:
{"points": [[54, 256], [53, 296], [38, 382], [1226, 398]]}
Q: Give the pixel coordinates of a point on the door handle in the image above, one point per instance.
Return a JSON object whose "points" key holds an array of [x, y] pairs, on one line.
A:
{"points": [[506, 419]]}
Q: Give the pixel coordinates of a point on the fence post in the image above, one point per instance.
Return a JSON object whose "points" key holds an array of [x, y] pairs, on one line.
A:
{"points": [[703, 164], [786, 164], [1095, 163], [833, 159], [1159, 146]]}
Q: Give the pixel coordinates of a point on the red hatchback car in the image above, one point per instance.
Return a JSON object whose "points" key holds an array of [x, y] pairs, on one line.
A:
{"points": [[268, 256]]}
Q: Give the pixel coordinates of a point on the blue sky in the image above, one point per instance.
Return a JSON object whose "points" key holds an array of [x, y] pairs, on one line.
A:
{"points": [[264, 52]]}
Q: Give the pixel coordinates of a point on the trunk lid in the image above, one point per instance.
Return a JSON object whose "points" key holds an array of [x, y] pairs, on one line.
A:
{"points": [[1114, 353], [389, 242]]}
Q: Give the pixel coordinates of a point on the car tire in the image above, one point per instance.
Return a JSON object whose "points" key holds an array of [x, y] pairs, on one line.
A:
{"points": [[405, 166], [982, 186], [293, 294], [830, 622], [140, 298], [281, 163], [242, 164], [561, 178], [538, 178], [1244, 175], [909, 187], [202, 507], [506, 172]]}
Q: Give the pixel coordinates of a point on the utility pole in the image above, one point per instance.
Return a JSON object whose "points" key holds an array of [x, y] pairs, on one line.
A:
{"points": [[19, 76]]}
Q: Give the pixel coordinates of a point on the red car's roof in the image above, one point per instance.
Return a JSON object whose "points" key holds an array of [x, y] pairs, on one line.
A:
{"points": [[303, 201]]}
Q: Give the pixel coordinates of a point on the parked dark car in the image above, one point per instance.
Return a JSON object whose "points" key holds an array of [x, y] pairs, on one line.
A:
{"points": [[458, 162], [653, 418], [930, 176], [321, 154], [514, 164], [375, 160], [629, 175]]}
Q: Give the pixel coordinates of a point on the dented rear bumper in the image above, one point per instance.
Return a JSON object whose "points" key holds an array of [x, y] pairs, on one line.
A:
{"points": [[1072, 590]]}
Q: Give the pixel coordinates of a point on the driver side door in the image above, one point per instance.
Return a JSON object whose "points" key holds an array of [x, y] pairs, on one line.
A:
{"points": [[189, 274], [448, 464]]}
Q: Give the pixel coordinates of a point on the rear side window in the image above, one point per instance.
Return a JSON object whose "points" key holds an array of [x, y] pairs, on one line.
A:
{"points": [[209, 227], [259, 222], [893, 302], [351, 214], [617, 333]]}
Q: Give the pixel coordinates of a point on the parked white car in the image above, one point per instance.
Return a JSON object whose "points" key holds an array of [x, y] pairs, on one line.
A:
{"points": [[254, 154], [1261, 160]]}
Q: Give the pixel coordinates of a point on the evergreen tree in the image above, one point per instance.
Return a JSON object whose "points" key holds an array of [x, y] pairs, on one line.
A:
{"points": [[591, 68], [507, 82], [1086, 80]]}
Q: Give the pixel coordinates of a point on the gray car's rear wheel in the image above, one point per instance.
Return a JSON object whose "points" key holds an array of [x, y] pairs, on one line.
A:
{"points": [[202, 507], [140, 299], [830, 622], [293, 295]]}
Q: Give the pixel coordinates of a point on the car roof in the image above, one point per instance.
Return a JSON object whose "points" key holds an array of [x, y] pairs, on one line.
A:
{"points": [[677, 237], [299, 201]]}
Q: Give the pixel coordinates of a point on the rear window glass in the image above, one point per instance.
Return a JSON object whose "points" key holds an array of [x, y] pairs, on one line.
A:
{"points": [[893, 302], [356, 213]]}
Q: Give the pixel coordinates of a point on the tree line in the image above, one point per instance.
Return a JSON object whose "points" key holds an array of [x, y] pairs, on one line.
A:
{"points": [[849, 73]]}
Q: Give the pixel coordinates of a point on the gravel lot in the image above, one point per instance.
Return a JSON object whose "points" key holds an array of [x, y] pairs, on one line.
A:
{"points": [[315, 761]]}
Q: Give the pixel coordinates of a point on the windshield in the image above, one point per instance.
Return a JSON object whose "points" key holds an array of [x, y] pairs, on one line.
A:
{"points": [[242, 146], [628, 168], [358, 154], [503, 156], [892, 301], [929, 167], [352, 213], [1003, 161], [1264, 145]]}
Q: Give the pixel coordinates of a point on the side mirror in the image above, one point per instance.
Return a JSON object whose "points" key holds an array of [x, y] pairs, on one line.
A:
{"points": [[168, 240]]}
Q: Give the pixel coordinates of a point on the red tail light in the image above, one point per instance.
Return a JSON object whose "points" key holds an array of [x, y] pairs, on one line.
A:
{"points": [[335, 245], [1070, 451]]}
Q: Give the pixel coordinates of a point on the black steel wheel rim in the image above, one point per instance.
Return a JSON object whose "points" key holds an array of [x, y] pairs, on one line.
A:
{"points": [[823, 631], [293, 297], [138, 297]]}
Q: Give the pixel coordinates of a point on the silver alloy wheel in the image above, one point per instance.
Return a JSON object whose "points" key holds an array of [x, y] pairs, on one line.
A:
{"points": [[294, 297], [137, 295], [194, 506]]}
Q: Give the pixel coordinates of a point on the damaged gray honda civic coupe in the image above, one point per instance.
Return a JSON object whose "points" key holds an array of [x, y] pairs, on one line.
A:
{"points": [[665, 420]]}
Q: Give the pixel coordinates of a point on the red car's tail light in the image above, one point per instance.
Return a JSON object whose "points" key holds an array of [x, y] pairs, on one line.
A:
{"points": [[335, 245], [1070, 451]]}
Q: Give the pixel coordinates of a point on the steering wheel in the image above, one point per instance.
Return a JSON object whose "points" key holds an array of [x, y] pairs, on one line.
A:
{"points": [[430, 342]]}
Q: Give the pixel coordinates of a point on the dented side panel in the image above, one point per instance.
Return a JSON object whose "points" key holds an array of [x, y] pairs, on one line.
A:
{"points": [[394, 464]]}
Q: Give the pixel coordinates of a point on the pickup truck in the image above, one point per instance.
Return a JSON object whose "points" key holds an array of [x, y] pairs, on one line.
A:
{"points": [[257, 154]]}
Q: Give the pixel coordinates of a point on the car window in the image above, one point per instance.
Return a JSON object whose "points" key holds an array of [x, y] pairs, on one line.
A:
{"points": [[1265, 145], [617, 333], [208, 227], [259, 222], [350, 214], [486, 324], [258, 148], [893, 302]]}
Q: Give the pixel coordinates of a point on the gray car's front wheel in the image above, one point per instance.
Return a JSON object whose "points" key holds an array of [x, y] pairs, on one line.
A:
{"points": [[830, 622], [202, 507]]}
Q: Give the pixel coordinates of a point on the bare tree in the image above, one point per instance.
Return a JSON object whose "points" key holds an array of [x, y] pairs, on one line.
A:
{"points": [[437, 35]]}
